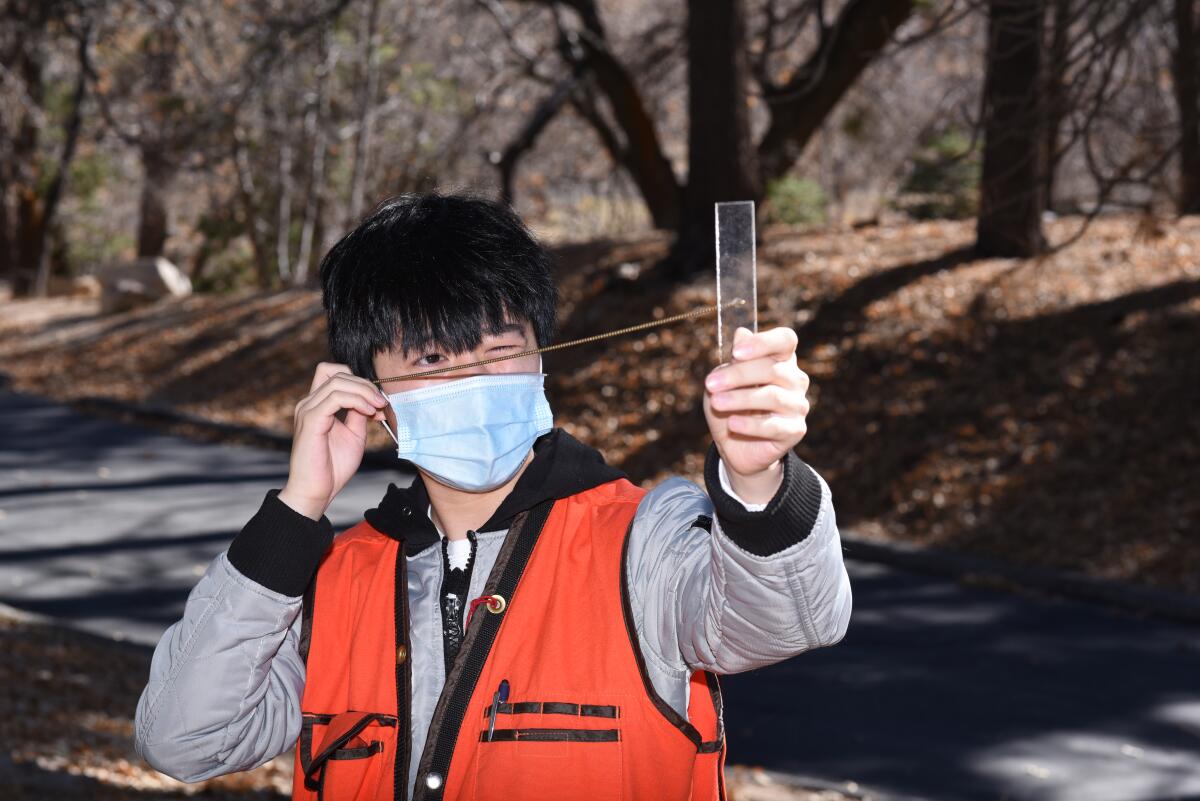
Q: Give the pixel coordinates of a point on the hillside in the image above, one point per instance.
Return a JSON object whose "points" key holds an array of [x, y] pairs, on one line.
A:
{"points": [[1042, 412]]}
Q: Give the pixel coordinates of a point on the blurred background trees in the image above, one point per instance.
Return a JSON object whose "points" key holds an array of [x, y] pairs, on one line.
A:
{"points": [[240, 139]]}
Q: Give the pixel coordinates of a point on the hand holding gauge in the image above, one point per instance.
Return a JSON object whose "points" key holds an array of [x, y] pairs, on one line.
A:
{"points": [[754, 400]]}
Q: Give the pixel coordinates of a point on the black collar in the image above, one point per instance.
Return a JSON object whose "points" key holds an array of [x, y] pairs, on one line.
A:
{"points": [[561, 466]]}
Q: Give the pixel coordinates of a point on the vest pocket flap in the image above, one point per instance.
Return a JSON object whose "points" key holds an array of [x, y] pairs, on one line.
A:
{"points": [[554, 708], [340, 741]]}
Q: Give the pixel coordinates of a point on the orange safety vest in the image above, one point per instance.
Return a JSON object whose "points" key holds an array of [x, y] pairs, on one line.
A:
{"points": [[582, 719]]}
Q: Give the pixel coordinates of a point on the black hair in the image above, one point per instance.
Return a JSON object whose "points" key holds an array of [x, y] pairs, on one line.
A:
{"points": [[434, 270]]}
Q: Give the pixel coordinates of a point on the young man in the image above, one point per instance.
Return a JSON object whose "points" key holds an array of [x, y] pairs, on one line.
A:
{"points": [[522, 622]]}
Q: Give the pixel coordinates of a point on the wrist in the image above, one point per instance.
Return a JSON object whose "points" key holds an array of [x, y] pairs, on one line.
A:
{"points": [[759, 487], [312, 509]]}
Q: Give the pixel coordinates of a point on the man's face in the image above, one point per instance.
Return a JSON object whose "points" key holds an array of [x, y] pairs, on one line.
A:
{"points": [[513, 338]]}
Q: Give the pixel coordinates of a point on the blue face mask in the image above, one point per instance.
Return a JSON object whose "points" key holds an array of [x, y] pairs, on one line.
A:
{"points": [[472, 433]]}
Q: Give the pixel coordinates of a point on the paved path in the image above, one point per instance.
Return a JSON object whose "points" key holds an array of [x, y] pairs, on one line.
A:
{"points": [[940, 691]]}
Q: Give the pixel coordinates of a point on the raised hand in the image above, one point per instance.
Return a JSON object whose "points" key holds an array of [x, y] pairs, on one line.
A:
{"points": [[326, 451], [756, 409]]}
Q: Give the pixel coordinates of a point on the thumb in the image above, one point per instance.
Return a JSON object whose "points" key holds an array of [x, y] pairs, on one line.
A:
{"points": [[740, 335]]}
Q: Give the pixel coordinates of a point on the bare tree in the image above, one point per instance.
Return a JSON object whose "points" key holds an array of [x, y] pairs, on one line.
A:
{"points": [[724, 161], [29, 197]]}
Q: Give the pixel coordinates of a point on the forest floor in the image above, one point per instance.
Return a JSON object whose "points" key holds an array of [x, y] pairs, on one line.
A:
{"points": [[1038, 411]]}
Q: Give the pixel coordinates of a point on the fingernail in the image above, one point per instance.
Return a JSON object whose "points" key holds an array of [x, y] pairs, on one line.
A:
{"points": [[714, 383], [741, 352]]}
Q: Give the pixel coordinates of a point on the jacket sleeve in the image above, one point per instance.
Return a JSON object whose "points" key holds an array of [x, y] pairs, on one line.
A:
{"points": [[715, 586], [226, 680]]}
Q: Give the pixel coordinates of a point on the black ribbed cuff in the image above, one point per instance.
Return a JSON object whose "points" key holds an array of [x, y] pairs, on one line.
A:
{"points": [[280, 548], [786, 520]]}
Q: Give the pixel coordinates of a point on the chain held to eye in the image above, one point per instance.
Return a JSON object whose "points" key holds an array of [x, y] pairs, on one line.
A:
{"points": [[633, 329]]}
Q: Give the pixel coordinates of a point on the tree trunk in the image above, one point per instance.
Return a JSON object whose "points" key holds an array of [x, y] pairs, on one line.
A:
{"points": [[6, 247], [54, 190], [1056, 99], [153, 217], [28, 236], [283, 228], [253, 224], [527, 137], [362, 144], [315, 121], [1012, 188], [722, 161], [642, 154], [1186, 66]]}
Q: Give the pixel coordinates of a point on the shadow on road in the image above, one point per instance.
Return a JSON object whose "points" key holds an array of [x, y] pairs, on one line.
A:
{"points": [[946, 691]]}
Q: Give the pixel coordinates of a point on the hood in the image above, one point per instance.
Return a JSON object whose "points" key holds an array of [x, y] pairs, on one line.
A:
{"points": [[562, 466]]}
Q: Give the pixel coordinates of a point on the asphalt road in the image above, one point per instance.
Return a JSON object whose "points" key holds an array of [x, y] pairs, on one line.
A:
{"points": [[940, 691]]}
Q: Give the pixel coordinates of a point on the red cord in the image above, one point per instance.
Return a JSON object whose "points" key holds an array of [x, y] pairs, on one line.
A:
{"points": [[485, 599]]}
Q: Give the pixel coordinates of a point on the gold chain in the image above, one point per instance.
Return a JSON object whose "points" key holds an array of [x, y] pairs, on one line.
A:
{"points": [[633, 329]]}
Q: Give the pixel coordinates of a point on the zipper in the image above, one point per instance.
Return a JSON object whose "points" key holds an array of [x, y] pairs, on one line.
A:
{"points": [[451, 710], [451, 601]]}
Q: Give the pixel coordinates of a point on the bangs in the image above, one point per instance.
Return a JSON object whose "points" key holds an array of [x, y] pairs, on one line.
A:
{"points": [[434, 272], [448, 319]]}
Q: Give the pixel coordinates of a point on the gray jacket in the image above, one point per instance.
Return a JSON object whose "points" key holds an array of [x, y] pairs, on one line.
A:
{"points": [[723, 592]]}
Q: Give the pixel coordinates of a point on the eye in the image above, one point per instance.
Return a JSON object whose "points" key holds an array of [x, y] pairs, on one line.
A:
{"points": [[429, 359]]}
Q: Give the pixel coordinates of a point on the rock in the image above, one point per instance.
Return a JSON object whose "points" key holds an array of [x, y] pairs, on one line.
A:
{"points": [[136, 283], [80, 286], [85, 286]]}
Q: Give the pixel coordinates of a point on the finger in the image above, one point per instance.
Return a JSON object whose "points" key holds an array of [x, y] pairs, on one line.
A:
{"points": [[328, 371], [336, 400], [778, 343], [755, 373], [357, 423], [342, 382], [772, 427], [766, 398], [325, 371]]}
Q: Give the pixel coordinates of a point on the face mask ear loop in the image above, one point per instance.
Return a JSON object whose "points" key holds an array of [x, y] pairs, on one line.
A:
{"points": [[390, 434]]}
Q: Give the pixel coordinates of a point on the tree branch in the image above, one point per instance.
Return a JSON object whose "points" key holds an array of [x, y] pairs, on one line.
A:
{"points": [[861, 31]]}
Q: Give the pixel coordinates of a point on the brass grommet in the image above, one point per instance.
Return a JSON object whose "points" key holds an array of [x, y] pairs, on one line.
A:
{"points": [[496, 604], [401, 654]]}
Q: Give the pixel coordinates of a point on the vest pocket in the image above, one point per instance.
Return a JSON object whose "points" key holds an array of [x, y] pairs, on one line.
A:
{"points": [[549, 751], [347, 756]]}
